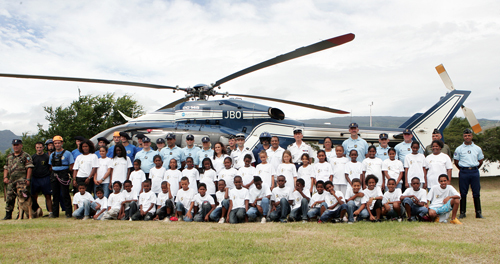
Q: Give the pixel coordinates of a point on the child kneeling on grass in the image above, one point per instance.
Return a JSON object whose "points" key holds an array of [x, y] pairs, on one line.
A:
{"points": [[258, 204], [114, 202], [100, 205], [83, 203], [374, 195], [444, 199], [301, 198], [222, 202], [281, 199], [238, 202], [184, 201], [356, 202], [414, 200], [164, 204], [391, 202], [204, 204], [146, 204], [336, 205], [129, 196], [317, 205]]}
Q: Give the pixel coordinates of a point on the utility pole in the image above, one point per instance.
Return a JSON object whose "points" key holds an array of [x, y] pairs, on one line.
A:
{"points": [[371, 114]]}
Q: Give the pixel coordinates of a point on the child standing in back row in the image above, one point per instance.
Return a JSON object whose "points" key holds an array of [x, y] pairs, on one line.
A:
{"points": [[265, 170], [338, 165], [415, 165], [373, 165], [354, 169], [247, 172], [306, 173], [156, 174], [287, 169], [192, 174], [137, 177], [393, 168], [173, 177]]}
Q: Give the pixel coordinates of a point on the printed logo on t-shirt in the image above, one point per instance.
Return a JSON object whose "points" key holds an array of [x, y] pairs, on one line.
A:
{"points": [[170, 153], [437, 196], [468, 151], [189, 154], [389, 167], [355, 146], [385, 153], [408, 149]]}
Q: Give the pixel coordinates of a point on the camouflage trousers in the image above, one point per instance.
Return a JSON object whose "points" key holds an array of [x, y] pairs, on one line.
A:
{"points": [[12, 194]]}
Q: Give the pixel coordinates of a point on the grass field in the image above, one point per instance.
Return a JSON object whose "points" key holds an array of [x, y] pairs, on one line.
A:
{"points": [[67, 240]]}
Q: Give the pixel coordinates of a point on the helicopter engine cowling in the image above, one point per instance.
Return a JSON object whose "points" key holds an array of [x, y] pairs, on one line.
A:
{"points": [[276, 113]]}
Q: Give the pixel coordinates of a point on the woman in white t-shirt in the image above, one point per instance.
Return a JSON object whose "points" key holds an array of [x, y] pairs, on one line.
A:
{"points": [[219, 155], [328, 148], [437, 163], [85, 166], [102, 178], [120, 165]]}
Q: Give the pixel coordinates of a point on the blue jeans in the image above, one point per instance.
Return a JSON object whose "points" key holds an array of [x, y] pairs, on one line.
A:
{"points": [[253, 211], [237, 216], [85, 209], [415, 209], [281, 211], [217, 212], [316, 211], [105, 188], [468, 177], [329, 214], [300, 212], [351, 207], [202, 212], [179, 207]]}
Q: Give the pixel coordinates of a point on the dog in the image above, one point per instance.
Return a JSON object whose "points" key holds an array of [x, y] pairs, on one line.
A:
{"points": [[24, 200]]}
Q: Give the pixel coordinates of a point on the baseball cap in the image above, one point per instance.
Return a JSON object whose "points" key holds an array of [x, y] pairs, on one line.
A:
{"points": [[407, 131], [146, 139], [160, 140], [170, 136], [351, 125], [436, 131], [205, 139], [383, 136], [189, 137], [17, 141]]}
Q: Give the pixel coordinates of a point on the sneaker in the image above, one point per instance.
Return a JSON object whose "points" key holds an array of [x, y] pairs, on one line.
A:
{"points": [[221, 221], [86, 217], [173, 219], [400, 219], [130, 219], [263, 220], [319, 221], [283, 221], [350, 223], [456, 221], [436, 220], [304, 221], [51, 215], [345, 219], [167, 220]]}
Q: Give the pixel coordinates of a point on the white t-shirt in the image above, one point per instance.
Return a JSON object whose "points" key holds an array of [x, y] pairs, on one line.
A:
{"points": [[161, 199], [104, 164], [392, 197], [279, 193], [115, 200], [120, 168], [185, 197], [103, 202], [220, 197], [323, 171], [358, 201], [415, 165], [228, 177], [129, 196], [338, 165], [437, 195], [421, 194], [156, 175], [146, 199], [353, 170], [317, 197], [208, 177], [137, 178], [330, 200], [173, 177], [376, 192], [307, 174], [374, 166], [238, 196], [289, 171], [437, 165], [265, 171], [199, 200], [393, 168], [297, 197], [193, 175], [78, 199], [255, 193], [84, 164], [275, 158], [218, 162], [246, 174]]}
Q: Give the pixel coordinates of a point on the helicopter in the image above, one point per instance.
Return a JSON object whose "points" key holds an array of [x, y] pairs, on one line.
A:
{"points": [[217, 119]]}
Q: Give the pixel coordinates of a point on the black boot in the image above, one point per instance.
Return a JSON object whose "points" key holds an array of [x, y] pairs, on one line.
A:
{"points": [[463, 205], [8, 215], [477, 206]]}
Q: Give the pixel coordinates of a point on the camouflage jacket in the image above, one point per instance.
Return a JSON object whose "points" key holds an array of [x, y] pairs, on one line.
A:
{"points": [[16, 166]]}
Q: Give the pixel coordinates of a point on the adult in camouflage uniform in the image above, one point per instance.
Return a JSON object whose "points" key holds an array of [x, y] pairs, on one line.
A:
{"points": [[18, 168]]}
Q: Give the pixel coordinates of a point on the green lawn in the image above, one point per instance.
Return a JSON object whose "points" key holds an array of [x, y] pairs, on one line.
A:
{"points": [[67, 240]]}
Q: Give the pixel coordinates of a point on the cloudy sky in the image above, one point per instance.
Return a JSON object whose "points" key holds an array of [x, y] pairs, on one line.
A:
{"points": [[390, 62]]}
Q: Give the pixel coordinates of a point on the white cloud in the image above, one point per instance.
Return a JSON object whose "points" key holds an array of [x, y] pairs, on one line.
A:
{"points": [[391, 62]]}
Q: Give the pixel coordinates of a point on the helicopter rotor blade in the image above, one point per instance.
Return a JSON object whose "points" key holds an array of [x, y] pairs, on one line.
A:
{"points": [[174, 103], [316, 107], [319, 46], [476, 127], [445, 77], [73, 79]]}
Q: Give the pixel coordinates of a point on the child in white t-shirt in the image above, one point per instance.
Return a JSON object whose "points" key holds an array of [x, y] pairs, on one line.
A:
{"points": [[356, 202], [281, 199], [354, 169], [391, 201], [323, 170], [222, 202], [204, 203], [227, 174], [415, 165], [103, 172], [307, 174], [287, 169], [184, 201], [265, 170], [258, 204], [338, 165], [137, 177], [156, 174], [373, 165], [192, 174], [238, 202], [374, 196], [414, 200], [129, 196], [247, 172], [101, 204], [114, 202], [208, 177], [164, 204], [317, 205], [82, 201], [301, 198], [444, 199], [393, 168], [335, 201], [145, 208], [173, 177]]}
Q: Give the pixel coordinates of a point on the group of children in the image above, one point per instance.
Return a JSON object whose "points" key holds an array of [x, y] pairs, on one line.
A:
{"points": [[336, 190]]}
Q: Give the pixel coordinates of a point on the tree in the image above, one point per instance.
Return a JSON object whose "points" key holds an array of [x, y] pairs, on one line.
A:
{"points": [[490, 143], [85, 117]]}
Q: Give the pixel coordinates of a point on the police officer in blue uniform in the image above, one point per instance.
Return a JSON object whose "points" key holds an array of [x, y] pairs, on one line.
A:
{"points": [[191, 150], [171, 151], [265, 141], [62, 164], [355, 142], [129, 148], [146, 156], [469, 158], [383, 147], [205, 152]]}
